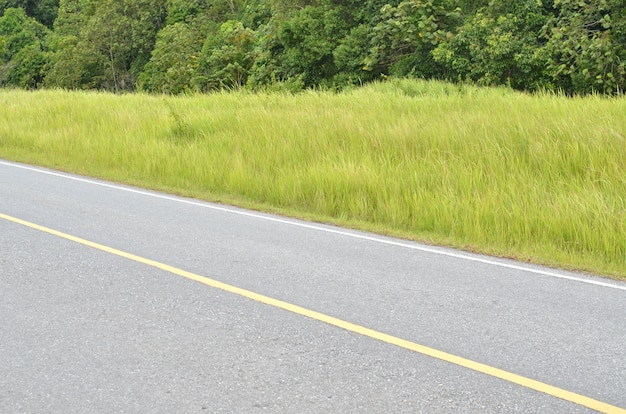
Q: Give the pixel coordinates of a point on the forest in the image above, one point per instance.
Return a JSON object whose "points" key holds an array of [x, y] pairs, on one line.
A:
{"points": [[575, 47]]}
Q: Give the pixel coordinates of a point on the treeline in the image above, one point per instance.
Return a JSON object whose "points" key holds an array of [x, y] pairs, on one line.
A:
{"points": [[171, 46]]}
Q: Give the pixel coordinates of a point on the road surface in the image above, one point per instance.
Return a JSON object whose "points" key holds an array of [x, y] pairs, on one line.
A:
{"points": [[119, 300]]}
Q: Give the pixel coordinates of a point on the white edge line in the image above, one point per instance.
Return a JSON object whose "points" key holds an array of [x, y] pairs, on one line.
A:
{"points": [[318, 228]]}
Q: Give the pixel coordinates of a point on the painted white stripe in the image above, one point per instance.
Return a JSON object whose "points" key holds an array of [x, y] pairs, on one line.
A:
{"points": [[407, 245]]}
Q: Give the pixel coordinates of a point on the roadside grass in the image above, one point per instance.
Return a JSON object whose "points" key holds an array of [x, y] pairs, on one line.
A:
{"points": [[538, 178]]}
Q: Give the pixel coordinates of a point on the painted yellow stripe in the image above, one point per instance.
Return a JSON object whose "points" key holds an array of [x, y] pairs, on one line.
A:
{"points": [[444, 356]]}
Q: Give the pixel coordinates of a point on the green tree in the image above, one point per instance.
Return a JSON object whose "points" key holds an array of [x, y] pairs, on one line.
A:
{"points": [[587, 46], [22, 49], [44, 11], [351, 55], [256, 13], [308, 41], [182, 11], [404, 38], [214, 10], [500, 44], [104, 44], [174, 63], [227, 58]]}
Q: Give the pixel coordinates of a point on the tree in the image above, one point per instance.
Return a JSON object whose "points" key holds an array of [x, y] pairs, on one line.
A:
{"points": [[227, 58], [587, 46], [499, 45], [173, 66], [22, 49], [104, 44], [351, 55], [308, 41], [405, 36], [44, 11]]}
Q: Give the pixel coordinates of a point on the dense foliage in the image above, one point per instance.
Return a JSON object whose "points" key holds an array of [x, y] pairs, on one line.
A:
{"points": [[172, 46]]}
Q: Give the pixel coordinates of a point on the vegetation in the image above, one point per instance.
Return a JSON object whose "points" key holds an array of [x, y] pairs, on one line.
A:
{"points": [[174, 46], [538, 178]]}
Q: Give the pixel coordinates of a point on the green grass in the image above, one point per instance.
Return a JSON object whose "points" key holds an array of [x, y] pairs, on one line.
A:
{"points": [[537, 178]]}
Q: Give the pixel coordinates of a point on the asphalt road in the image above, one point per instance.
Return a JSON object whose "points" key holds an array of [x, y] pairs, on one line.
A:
{"points": [[84, 330]]}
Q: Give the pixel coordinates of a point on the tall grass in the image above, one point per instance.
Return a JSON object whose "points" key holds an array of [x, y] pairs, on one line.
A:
{"points": [[539, 178]]}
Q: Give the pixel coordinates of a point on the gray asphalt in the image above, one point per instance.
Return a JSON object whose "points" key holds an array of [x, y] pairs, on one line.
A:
{"points": [[84, 331]]}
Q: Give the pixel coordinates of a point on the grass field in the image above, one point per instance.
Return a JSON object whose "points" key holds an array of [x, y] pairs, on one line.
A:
{"points": [[537, 178]]}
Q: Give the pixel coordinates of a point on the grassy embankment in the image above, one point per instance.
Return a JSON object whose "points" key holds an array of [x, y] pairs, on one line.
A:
{"points": [[539, 178]]}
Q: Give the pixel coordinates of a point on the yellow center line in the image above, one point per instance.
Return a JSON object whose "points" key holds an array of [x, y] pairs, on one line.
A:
{"points": [[348, 326]]}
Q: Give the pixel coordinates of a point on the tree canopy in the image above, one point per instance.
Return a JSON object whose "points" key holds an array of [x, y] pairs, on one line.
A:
{"points": [[173, 46]]}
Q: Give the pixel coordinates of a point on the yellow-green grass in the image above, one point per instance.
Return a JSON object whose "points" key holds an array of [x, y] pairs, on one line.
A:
{"points": [[538, 178]]}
